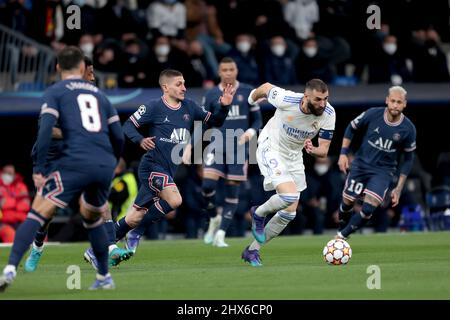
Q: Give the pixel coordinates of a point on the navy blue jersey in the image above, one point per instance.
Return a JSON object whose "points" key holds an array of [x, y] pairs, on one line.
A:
{"points": [[383, 141], [241, 114], [170, 126], [89, 124]]}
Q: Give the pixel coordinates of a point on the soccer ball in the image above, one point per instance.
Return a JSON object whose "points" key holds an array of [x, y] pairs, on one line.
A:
{"points": [[337, 252]]}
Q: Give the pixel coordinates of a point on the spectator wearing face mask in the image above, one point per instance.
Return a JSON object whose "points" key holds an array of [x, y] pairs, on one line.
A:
{"points": [[244, 56], [165, 56], [14, 202], [279, 62], [87, 45], [312, 63], [388, 64]]}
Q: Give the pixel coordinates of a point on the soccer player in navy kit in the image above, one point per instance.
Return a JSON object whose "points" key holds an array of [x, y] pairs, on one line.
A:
{"points": [[386, 134], [90, 126], [54, 152], [170, 120], [227, 159]]}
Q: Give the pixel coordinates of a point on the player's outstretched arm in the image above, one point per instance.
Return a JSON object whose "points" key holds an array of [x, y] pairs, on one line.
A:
{"points": [[227, 96], [218, 117], [259, 93]]}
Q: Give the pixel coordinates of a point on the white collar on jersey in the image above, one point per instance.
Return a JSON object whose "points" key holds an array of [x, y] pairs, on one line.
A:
{"points": [[392, 124]]}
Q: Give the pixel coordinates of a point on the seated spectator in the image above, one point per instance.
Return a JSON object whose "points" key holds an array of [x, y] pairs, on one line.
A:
{"points": [[14, 202], [202, 26], [279, 62], [134, 66], [87, 45], [245, 58], [387, 64], [428, 58], [312, 63], [165, 56], [201, 75], [167, 17], [301, 15]]}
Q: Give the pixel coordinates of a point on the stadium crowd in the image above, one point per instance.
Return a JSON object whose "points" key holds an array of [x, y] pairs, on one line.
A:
{"points": [[279, 41], [285, 42]]}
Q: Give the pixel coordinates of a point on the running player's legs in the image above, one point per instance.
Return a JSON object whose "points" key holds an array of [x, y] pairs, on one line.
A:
{"points": [[153, 200], [353, 188], [374, 190], [281, 175], [214, 167]]}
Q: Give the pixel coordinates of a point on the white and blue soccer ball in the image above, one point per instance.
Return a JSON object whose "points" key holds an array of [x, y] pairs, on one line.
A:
{"points": [[337, 252]]}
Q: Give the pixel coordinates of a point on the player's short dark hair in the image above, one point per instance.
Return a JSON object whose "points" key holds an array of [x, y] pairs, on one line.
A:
{"points": [[227, 60], [70, 57], [87, 61], [168, 73], [316, 84]]}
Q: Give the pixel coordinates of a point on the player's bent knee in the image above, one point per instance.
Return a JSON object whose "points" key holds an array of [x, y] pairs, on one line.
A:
{"points": [[88, 214], [289, 199], [292, 207], [134, 217], [367, 210]]}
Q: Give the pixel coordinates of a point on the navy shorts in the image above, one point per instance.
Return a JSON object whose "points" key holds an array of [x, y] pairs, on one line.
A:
{"points": [[361, 182], [229, 166], [153, 179], [66, 184]]}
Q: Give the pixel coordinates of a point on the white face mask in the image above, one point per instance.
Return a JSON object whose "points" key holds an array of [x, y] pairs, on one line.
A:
{"points": [[321, 168], [390, 48], [310, 51], [162, 50], [87, 48], [243, 46], [278, 50], [7, 178]]}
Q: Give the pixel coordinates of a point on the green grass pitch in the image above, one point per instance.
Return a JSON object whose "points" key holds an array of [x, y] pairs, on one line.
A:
{"points": [[413, 266]]}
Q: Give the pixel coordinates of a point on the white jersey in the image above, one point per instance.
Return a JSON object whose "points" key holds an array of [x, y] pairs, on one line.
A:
{"points": [[289, 127]]}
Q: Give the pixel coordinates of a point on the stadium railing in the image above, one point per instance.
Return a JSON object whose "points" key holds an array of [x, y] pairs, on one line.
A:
{"points": [[25, 65]]}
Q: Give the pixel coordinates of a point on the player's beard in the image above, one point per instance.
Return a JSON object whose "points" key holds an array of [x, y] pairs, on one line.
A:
{"points": [[313, 110]]}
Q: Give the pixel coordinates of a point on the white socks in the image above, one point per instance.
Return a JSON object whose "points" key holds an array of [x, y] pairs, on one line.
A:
{"points": [[274, 227], [276, 203]]}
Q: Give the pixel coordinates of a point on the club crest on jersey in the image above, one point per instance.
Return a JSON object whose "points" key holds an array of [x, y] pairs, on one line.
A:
{"points": [[186, 117], [240, 98], [289, 118], [273, 94], [141, 109], [315, 125], [396, 136]]}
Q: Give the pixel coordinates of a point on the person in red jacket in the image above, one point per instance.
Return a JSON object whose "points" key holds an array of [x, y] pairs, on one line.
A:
{"points": [[14, 202]]}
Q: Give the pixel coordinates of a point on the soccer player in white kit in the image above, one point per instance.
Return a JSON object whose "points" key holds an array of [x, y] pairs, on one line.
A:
{"points": [[299, 117]]}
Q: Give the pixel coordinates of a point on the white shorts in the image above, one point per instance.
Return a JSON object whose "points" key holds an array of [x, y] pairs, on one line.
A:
{"points": [[277, 169]]}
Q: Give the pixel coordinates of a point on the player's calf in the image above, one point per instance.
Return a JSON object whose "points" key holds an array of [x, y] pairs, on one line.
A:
{"points": [[358, 220], [345, 213]]}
